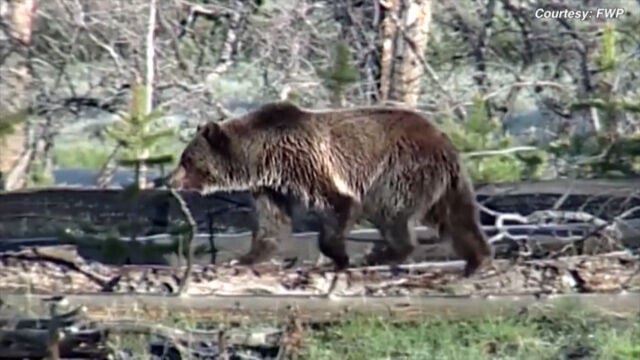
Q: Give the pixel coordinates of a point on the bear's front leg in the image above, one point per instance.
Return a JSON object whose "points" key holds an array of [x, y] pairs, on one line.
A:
{"points": [[272, 224]]}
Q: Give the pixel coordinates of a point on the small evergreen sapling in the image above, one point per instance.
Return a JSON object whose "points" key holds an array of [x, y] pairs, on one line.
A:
{"points": [[138, 134]]}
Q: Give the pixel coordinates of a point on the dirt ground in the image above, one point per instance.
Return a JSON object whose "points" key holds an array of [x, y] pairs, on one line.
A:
{"points": [[59, 269]]}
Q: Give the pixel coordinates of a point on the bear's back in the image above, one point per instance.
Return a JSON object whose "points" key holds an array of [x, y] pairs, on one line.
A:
{"points": [[273, 117], [371, 131]]}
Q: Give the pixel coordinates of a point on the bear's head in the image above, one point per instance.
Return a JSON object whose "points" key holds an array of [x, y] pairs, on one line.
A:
{"points": [[206, 162]]}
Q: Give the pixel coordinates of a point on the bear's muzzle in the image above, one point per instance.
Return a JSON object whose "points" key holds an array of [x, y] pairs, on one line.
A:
{"points": [[177, 178], [183, 180]]}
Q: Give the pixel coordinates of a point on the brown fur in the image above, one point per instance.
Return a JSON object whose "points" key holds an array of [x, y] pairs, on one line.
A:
{"points": [[388, 165]]}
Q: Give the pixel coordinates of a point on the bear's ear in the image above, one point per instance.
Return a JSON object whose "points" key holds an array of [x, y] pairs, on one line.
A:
{"points": [[215, 135]]}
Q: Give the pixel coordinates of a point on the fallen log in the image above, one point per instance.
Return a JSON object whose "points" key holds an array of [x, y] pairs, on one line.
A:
{"points": [[274, 309], [602, 197], [162, 248], [34, 212]]}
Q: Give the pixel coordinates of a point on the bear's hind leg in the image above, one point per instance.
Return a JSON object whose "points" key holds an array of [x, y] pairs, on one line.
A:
{"points": [[337, 222], [468, 242], [461, 225], [400, 237]]}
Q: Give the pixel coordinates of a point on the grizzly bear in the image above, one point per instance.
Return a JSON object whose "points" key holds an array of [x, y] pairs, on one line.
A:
{"points": [[389, 165]]}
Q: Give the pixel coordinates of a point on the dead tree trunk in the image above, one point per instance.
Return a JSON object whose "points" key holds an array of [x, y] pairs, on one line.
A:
{"points": [[391, 57], [15, 147], [403, 34], [141, 171]]}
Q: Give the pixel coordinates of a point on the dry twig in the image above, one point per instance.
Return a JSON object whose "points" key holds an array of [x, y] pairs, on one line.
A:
{"points": [[184, 210]]}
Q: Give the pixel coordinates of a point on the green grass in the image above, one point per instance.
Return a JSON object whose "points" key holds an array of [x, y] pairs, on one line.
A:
{"points": [[566, 332], [571, 334]]}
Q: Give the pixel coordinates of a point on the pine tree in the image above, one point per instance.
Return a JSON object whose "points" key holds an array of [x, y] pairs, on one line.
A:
{"points": [[481, 135], [340, 74], [609, 152], [9, 121], [137, 134]]}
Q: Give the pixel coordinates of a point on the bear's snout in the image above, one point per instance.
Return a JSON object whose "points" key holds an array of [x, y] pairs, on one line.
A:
{"points": [[176, 178], [181, 179]]}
